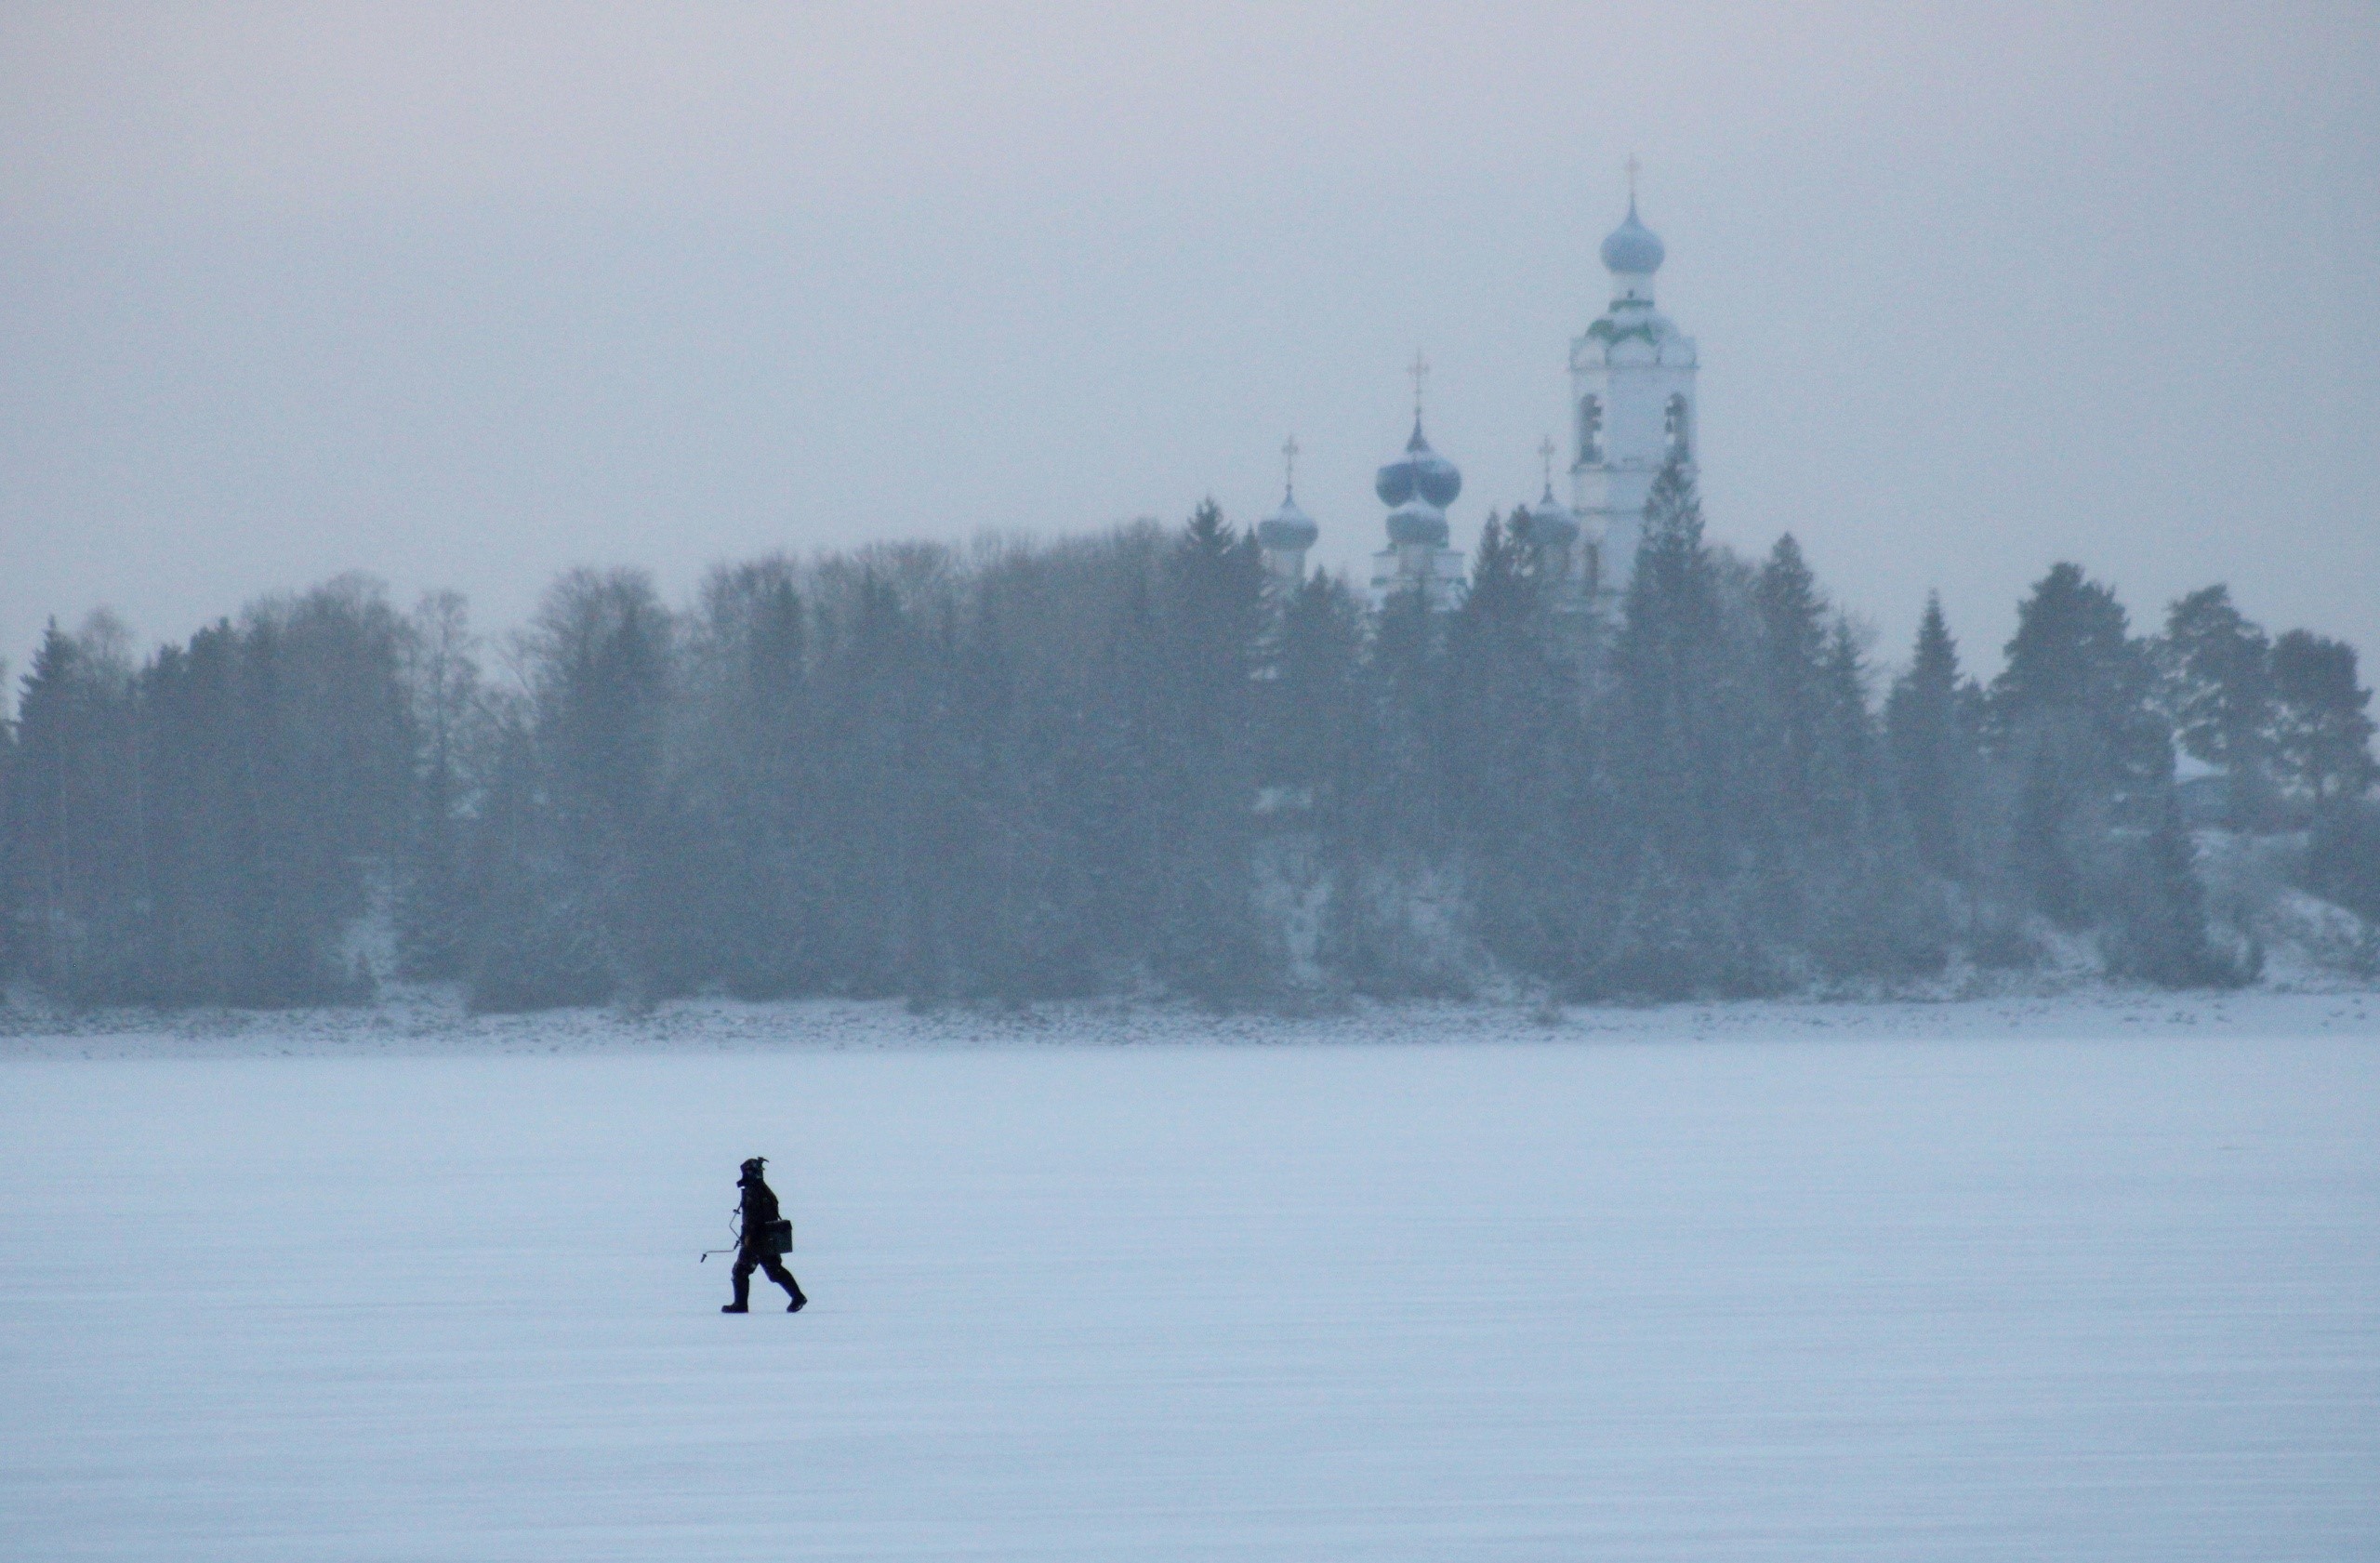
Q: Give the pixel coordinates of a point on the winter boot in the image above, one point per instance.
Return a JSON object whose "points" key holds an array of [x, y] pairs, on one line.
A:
{"points": [[799, 1303], [743, 1303]]}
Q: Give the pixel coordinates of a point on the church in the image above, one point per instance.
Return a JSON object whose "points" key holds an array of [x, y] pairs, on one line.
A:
{"points": [[1631, 411]]}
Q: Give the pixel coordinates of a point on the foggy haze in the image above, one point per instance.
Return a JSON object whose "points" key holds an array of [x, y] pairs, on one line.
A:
{"points": [[1623, 1027], [462, 298]]}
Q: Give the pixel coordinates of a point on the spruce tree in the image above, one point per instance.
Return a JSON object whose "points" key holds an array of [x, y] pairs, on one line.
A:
{"points": [[1315, 739], [1111, 759], [1677, 740], [1793, 614], [1932, 745], [1403, 793], [1684, 788], [1512, 750], [1206, 938], [2158, 931], [77, 816], [48, 805]]}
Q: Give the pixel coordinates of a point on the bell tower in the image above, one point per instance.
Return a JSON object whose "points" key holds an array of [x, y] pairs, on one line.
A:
{"points": [[1631, 402]]}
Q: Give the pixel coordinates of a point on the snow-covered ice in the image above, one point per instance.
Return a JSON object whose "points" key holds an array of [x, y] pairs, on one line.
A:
{"points": [[2071, 1282]]}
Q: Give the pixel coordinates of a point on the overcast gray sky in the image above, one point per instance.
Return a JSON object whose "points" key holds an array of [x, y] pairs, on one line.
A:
{"points": [[463, 296]]}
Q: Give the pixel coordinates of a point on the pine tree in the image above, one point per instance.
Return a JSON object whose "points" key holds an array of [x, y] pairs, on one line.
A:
{"points": [[2073, 650], [2215, 676], [2325, 728], [2072, 716], [2342, 860]]}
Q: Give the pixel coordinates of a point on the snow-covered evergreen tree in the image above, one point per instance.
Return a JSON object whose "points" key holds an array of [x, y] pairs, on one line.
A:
{"points": [[1933, 746]]}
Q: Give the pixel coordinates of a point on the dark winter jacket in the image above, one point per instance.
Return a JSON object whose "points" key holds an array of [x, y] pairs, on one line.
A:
{"points": [[760, 1207]]}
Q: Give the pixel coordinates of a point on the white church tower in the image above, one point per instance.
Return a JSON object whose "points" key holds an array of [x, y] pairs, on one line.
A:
{"points": [[1416, 487], [1631, 402]]}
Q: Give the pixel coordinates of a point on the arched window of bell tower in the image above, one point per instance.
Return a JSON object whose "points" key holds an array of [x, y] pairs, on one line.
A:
{"points": [[1676, 428], [1590, 431]]}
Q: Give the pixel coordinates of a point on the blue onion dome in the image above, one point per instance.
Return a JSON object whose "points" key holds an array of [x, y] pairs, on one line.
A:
{"points": [[1289, 528], [1421, 472], [1633, 247], [1417, 520], [1551, 524]]}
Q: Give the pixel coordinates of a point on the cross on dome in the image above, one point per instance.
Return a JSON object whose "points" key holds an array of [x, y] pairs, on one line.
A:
{"points": [[1289, 531], [1632, 248]]}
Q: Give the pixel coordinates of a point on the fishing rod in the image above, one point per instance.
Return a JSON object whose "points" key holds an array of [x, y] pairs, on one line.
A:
{"points": [[735, 1230]]}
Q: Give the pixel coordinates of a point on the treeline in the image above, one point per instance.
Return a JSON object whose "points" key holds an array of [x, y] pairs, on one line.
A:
{"points": [[1131, 764]]}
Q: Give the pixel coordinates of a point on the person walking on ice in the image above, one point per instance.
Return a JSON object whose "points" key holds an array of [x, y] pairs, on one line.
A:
{"points": [[761, 1235]]}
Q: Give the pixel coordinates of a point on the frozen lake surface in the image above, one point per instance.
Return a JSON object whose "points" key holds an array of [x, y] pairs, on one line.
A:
{"points": [[1609, 1294]]}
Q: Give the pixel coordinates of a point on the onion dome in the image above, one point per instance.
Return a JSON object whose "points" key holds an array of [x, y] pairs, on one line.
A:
{"points": [[1419, 472], [1633, 247], [1417, 520], [1551, 524], [1288, 529]]}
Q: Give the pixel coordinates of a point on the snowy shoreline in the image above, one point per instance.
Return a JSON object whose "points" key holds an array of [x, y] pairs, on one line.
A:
{"points": [[432, 1022]]}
